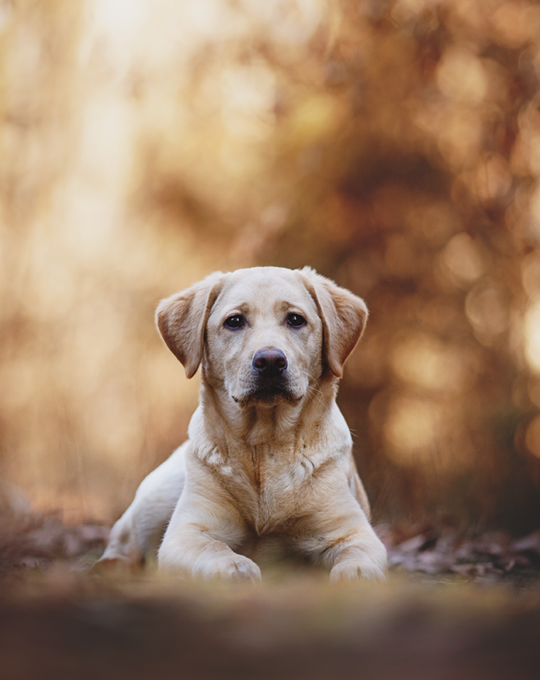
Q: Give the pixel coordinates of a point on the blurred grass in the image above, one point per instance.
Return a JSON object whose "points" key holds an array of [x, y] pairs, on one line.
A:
{"points": [[300, 628]]}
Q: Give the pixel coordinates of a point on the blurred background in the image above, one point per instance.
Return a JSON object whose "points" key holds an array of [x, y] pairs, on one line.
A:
{"points": [[394, 145]]}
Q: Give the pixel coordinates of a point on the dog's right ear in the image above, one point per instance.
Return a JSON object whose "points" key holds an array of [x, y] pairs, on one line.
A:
{"points": [[181, 320]]}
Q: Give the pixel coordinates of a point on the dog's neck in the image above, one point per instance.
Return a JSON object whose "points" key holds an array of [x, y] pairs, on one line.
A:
{"points": [[290, 424]]}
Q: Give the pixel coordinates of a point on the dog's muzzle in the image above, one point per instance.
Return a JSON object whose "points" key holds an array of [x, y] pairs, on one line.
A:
{"points": [[269, 376]]}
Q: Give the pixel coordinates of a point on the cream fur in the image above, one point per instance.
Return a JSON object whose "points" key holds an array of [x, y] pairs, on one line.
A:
{"points": [[274, 475]]}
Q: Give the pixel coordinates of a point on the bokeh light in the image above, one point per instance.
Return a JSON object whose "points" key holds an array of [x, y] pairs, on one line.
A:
{"points": [[394, 145]]}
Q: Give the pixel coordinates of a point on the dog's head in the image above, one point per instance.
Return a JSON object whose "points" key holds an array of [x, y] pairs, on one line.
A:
{"points": [[264, 334]]}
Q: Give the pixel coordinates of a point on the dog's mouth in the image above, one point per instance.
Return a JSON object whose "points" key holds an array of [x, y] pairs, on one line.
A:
{"points": [[268, 392]]}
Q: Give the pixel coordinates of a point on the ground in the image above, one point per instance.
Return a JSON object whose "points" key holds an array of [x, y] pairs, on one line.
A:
{"points": [[453, 607]]}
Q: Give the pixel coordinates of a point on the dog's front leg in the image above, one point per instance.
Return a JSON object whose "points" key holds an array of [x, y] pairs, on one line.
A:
{"points": [[357, 553], [348, 545], [200, 535], [360, 559]]}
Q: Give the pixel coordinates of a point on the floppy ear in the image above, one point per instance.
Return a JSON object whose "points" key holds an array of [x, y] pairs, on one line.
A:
{"points": [[343, 314], [181, 320]]}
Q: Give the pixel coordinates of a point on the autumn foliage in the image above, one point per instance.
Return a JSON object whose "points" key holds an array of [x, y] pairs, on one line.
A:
{"points": [[393, 145]]}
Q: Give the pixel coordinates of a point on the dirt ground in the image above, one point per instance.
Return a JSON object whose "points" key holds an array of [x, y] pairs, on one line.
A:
{"points": [[453, 608]]}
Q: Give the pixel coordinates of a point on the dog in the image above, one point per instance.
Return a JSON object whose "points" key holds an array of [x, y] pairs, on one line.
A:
{"points": [[268, 465]]}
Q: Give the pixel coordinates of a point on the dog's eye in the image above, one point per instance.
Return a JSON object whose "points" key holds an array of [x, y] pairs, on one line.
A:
{"points": [[235, 322], [296, 321]]}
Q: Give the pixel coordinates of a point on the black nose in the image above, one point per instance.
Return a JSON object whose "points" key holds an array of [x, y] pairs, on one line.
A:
{"points": [[269, 362]]}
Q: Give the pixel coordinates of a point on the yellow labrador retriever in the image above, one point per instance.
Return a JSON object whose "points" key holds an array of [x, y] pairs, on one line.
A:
{"points": [[268, 463]]}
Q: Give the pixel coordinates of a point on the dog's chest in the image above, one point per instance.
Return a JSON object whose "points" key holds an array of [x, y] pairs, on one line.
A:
{"points": [[270, 484]]}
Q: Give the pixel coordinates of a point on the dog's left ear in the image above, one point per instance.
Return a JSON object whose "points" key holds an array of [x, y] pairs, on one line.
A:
{"points": [[343, 314], [181, 320]]}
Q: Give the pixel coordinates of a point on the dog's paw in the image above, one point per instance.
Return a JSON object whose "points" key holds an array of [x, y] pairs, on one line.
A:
{"points": [[356, 562], [237, 568], [351, 571]]}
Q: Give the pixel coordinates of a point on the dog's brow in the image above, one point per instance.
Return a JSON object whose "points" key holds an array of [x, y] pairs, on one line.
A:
{"points": [[285, 306], [239, 308]]}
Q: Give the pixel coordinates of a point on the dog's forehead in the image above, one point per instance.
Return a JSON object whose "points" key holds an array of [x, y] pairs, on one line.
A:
{"points": [[265, 285]]}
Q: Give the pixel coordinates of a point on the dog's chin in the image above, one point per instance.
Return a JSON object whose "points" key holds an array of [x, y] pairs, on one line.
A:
{"points": [[267, 395]]}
